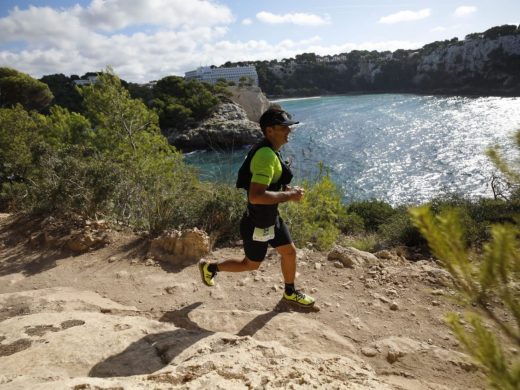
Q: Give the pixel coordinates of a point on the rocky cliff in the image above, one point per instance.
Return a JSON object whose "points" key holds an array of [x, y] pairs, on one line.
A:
{"points": [[472, 55], [477, 63], [485, 63], [251, 99], [227, 128]]}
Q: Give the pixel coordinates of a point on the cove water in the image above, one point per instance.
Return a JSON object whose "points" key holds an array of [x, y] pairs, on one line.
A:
{"points": [[400, 148]]}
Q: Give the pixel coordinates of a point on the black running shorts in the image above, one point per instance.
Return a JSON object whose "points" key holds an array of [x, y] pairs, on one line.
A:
{"points": [[256, 250]]}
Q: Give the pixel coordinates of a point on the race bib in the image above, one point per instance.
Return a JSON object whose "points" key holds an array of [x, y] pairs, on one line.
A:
{"points": [[263, 234]]}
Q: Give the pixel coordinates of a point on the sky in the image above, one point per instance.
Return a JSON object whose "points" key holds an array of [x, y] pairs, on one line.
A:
{"points": [[145, 40]]}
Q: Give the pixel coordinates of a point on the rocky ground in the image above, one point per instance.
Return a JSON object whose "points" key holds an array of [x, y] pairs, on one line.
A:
{"points": [[112, 318]]}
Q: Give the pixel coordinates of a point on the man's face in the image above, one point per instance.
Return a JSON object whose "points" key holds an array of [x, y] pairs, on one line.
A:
{"points": [[281, 133]]}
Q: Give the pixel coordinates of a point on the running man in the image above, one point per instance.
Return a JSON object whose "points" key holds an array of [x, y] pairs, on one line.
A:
{"points": [[265, 177]]}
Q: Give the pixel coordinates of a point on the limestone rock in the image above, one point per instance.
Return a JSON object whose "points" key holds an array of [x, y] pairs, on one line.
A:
{"points": [[471, 57], [369, 351], [56, 299], [351, 257], [395, 348], [456, 358], [359, 324], [228, 128], [74, 234], [305, 254], [382, 298], [384, 254], [84, 240], [370, 283], [435, 275], [180, 247], [251, 99]]}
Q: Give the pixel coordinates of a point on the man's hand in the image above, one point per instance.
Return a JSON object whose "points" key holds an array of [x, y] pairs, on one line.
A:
{"points": [[296, 193]]}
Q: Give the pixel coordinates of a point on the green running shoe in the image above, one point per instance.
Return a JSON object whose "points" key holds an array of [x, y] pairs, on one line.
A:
{"points": [[299, 298], [205, 273]]}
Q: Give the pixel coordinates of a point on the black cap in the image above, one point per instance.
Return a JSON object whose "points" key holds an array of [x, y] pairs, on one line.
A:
{"points": [[275, 116]]}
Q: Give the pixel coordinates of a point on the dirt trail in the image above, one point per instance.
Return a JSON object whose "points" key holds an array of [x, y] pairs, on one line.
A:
{"points": [[379, 327]]}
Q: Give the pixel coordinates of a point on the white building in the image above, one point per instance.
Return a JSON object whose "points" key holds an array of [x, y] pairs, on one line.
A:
{"points": [[212, 75], [90, 80]]}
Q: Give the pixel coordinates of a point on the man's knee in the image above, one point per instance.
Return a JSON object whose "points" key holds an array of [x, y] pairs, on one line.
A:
{"points": [[288, 250], [251, 265]]}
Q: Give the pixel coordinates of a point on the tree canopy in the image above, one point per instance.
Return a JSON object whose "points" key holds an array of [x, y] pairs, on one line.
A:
{"points": [[116, 117], [65, 92], [180, 103], [20, 88]]}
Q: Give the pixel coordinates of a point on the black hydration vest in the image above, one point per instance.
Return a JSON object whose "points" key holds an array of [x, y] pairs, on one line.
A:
{"points": [[262, 215]]}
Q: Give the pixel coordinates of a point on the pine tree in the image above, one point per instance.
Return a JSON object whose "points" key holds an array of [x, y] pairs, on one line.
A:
{"points": [[488, 284]]}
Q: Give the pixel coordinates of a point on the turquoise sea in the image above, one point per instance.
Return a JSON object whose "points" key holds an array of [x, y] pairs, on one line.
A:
{"points": [[400, 148]]}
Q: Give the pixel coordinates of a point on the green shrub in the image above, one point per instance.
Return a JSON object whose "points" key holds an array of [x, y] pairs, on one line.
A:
{"points": [[477, 216], [172, 114], [399, 230], [352, 224], [317, 217], [373, 212], [461, 206], [493, 211], [19, 132], [498, 31], [156, 186], [448, 202], [119, 120], [73, 179], [124, 170], [14, 196], [221, 211], [63, 127]]}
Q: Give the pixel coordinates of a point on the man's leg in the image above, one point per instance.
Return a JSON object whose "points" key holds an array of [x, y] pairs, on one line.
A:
{"points": [[209, 270], [255, 252], [238, 266], [288, 263]]}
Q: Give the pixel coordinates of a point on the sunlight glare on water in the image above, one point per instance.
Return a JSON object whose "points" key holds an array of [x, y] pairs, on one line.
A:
{"points": [[394, 147]]}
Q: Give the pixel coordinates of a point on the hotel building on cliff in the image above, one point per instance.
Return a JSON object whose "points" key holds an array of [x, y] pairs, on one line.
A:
{"points": [[211, 75]]}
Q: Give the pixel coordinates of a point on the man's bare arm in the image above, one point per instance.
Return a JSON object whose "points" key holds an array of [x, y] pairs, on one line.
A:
{"points": [[258, 194]]}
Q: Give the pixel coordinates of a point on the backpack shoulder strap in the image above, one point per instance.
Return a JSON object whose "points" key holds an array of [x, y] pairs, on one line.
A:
{"points": [[244, 172]]}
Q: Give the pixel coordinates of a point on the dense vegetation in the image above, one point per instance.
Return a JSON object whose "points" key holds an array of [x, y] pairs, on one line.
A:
{"points": [[110, 161], [179, 104], [16, 87], [182, 104]]}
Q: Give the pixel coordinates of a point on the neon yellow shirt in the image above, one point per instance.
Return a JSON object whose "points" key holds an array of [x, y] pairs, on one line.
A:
{"points": [[265, 166]]}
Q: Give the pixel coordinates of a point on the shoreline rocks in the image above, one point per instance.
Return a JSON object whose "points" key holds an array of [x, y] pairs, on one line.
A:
{"points": [[227, 128]]}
